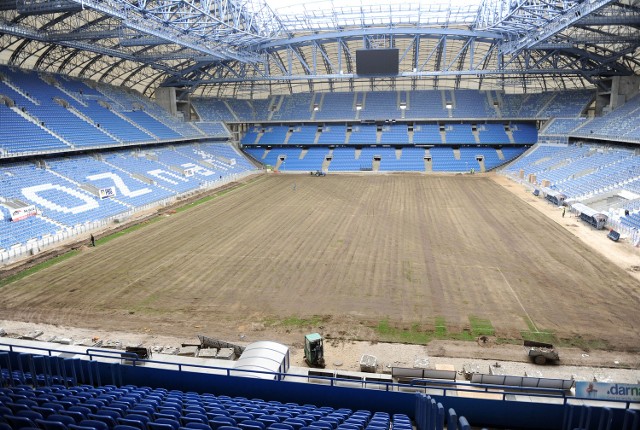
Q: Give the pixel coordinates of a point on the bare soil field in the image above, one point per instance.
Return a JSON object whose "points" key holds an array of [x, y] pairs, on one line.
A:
{"points": [[352, 256]]}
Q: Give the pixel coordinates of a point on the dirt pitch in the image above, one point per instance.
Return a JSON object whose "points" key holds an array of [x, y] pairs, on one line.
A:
{"points": [[344, 252]]}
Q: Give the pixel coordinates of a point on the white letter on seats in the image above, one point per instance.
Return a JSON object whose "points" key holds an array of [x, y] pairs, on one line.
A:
{"points": [[119, 183], [31, 193]]}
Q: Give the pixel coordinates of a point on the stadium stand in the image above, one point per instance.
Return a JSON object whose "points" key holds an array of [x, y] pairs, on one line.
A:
{"points": [[426, 104], [569, 104], [606, 178], [275, 135], [384, 105], [210, 109], [492, 133], [344, 159], [336, 106], [578, 171], [362, 134], [66, 191], [395, 133], [214, 129], [459, 133], [332, 135], [471, 104], [296, 107], [621, 124], [524, 133], [380, 105], [52, 113], [426, 134], [303, 135], [562, 126]]}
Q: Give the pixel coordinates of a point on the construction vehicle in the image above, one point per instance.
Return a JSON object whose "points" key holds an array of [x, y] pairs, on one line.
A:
{"points": [[541, 353], [314, 350]]}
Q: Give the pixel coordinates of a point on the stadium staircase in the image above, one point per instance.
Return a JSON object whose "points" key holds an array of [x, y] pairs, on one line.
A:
{"points": [[91, 122], [135, 124], [38, 124]]}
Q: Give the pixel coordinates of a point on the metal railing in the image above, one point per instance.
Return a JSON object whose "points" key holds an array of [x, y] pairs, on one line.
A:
{"points": [[443, 388]]}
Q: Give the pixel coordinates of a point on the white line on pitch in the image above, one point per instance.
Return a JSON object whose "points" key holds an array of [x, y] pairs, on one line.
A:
{"points": [[518, 299]]}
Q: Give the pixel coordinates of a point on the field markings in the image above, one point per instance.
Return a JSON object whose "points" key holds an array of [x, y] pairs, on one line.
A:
{"points": [[518, 299]]}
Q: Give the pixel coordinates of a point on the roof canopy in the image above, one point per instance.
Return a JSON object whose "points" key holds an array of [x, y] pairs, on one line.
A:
{"points": [[243, 47]]}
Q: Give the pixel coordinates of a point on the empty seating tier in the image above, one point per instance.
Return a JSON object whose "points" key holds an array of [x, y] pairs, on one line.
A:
{"points": [[66, 191]]}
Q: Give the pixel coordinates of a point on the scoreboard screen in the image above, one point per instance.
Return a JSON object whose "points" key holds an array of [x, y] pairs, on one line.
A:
{"points": [[377, 62]]}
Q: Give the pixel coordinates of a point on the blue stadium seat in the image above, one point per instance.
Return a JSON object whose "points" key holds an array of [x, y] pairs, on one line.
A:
{"points": [[51, 425], [18, 422]]}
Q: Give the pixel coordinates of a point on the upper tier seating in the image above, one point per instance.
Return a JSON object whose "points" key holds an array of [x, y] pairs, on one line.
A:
{"points": [[383, 105], [336, 106], [571, 104], [425, 105], [52, 113], [562, 126], [471, 104], [214, 129], [210, 109], [18, 135], [296, 107], [380, 105], [622, 124]]}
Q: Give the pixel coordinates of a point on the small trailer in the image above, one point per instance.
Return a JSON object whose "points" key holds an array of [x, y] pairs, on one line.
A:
{"points": [[541, 353]]}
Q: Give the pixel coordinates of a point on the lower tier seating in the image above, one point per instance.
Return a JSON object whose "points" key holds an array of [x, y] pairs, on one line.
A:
{"points": [[64, 193]]}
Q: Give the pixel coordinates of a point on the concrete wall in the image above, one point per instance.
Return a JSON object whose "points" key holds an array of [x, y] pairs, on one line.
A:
{"points": [[166, 97], [623, 88]]}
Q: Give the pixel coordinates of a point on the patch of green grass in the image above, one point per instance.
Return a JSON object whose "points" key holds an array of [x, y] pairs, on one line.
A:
{"points": [[537, 335], [481, 327], [584, 344], [388, 333], [37, 267], [440, 328]]}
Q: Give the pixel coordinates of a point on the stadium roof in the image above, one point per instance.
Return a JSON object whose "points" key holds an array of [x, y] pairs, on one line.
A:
{"points": [[245, 48]]}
